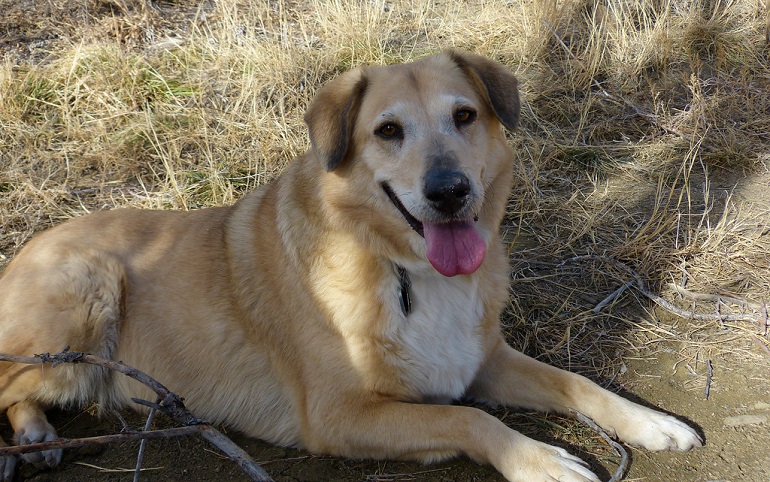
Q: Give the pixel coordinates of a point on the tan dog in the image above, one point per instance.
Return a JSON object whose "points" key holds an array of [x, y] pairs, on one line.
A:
{"points": [[339, 308]]}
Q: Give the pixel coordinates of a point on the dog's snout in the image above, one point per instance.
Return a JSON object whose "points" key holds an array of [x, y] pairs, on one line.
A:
{"points": [[447, 190]]}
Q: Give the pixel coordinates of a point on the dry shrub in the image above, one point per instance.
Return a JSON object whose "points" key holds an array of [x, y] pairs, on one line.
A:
{"points": [[642, 123]]}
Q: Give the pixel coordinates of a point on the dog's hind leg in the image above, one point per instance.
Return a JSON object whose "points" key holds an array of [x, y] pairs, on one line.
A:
{"points": [[18, 386], [7, 465], [27, 419], [51, 298], [30, 426]]}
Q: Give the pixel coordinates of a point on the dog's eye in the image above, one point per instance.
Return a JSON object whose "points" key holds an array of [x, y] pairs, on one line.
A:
{"points": [[464, 116], [389, 131]]}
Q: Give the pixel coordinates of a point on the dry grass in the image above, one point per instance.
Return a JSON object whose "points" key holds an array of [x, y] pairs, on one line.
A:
{"points": [[643, 123]]}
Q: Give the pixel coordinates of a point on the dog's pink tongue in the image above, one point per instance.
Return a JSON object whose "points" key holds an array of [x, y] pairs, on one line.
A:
{"points": [[454, 248]]}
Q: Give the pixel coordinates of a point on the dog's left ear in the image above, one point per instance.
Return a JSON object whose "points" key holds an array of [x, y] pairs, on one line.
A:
{"points": [[332, 115], [494, 82]]}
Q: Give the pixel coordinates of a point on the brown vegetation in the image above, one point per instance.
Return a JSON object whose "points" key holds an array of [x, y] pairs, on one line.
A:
{"points": [[645, 137]]}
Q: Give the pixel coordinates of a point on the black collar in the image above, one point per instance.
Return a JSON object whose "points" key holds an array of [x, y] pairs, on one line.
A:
{"points": [[404, 295]]}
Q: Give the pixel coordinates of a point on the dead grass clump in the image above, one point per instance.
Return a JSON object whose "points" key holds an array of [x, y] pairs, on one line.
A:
{"points": [[643, 123]]}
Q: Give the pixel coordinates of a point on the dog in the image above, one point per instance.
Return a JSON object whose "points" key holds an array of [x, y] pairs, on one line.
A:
{"points": [[341, 308]]}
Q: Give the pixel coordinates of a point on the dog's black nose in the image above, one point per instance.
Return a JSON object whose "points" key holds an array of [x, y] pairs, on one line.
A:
{"points": [[447, 190]]}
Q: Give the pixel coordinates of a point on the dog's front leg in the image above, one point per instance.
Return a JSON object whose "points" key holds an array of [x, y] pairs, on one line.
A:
{"points": [[511, 378], [428, 433]]}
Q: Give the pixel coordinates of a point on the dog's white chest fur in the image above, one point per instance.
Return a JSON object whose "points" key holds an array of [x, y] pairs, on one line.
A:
{"points": [[439, 341]]}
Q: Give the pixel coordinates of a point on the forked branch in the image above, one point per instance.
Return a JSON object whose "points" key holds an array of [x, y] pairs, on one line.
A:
{"points": [[169, 403], [640, 285]]}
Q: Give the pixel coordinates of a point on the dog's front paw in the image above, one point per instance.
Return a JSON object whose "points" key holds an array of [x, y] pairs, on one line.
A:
{"points": [[36, 434], [656, 431], [541, 462]]}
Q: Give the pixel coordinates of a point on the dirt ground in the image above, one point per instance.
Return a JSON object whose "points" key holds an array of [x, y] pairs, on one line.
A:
{"points": [[735, 419]]}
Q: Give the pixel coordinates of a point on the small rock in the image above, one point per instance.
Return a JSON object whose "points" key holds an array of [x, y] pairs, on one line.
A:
{"points": [[741, 420], [762, 406]]}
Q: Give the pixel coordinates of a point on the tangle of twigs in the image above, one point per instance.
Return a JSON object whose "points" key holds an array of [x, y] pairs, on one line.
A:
{"points": [[641, 286], [168, 403]]}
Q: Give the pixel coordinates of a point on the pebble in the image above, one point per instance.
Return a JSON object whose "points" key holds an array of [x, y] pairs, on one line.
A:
{"points": [[741, 420]]}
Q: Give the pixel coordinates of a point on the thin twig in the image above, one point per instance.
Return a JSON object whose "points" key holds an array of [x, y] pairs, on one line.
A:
{"points": [[612, 296], [64, 443], [675, 310], [143, 445], [237, 454], [709, 376], [169, 403], [402, 476], [641, 286], [695, 296], [618, 448], [116, 471]]}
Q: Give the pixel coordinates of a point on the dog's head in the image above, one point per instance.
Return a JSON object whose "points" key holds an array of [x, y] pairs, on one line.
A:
{"points": [[421, 143]]}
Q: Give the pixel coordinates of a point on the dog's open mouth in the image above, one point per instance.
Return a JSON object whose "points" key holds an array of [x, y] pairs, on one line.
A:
{"points": [[453, 247]]}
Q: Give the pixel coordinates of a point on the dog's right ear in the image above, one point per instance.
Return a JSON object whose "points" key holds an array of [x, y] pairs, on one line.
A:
{"points": [[332, 115]]}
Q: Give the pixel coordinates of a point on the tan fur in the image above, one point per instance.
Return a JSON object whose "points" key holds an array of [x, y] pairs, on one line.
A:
{"points": [[279, 316]]}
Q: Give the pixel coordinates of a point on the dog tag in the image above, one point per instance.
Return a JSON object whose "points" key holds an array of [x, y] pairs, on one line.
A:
{"points": [[404, 297]]}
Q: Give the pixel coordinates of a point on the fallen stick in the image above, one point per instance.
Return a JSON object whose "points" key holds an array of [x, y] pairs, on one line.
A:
{"points": [[709, 376], [143, 446], [237, 454], [618, 448], [609, 299], [695, 296], [64, 443], [641, 286], [118, 470], [169, 403]]}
